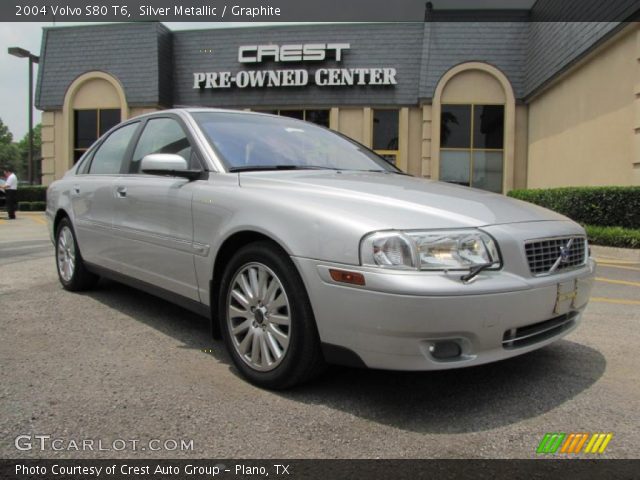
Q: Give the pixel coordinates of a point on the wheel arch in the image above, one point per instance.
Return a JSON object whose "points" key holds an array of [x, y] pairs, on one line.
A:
{"points": [[60, 214]]}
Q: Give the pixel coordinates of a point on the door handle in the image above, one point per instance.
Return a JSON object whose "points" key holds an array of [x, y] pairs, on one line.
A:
{"points": [[76, 190], [121, 192]]}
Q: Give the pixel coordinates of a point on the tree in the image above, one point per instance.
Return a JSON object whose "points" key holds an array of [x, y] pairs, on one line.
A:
{"points": [[23, 149], [9, 151], [6, 136], [15, 155]]}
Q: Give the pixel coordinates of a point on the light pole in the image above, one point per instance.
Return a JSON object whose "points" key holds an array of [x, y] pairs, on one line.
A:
{"points": [[22, 53]]}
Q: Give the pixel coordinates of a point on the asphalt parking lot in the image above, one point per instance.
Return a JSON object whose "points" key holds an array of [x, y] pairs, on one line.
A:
{"points": [[115, 363]]}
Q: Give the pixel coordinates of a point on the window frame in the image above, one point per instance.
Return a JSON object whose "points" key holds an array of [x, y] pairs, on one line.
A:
{"points": [[98, 136], [471, 148]]}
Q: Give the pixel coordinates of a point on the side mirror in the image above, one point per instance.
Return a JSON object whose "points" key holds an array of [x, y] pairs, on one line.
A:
{"points": [[168, 164]]}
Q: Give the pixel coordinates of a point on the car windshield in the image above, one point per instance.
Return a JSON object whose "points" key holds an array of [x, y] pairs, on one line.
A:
{"points": [[261, 142]]}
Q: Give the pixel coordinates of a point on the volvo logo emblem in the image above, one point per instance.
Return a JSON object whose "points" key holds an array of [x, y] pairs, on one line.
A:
{"points": [[565, 255], [564, 252]]}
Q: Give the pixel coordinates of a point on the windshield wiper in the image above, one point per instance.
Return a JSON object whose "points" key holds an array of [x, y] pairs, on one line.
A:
{"points": [[387, 171], [475, 271], [249, 168]]}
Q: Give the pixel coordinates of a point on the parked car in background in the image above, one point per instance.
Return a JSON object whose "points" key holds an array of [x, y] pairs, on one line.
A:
{"points": [[306, 248]]}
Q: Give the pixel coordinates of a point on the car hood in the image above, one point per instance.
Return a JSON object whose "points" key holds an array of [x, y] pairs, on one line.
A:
{"points": [[394, 201]]}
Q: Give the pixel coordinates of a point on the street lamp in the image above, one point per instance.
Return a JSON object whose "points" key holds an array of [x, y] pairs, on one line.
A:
{"points": [[22, 53]]}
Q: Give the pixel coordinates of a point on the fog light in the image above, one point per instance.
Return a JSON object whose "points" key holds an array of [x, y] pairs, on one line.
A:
{"points": [[445, 350]]}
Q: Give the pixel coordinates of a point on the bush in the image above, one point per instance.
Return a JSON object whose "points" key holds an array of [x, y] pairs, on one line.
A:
{"points": [[32, 193], [602, 206], [32, 206], [613, 236]]}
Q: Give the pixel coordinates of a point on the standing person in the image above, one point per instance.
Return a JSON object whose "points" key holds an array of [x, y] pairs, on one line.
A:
{"points": [[11, 192]]}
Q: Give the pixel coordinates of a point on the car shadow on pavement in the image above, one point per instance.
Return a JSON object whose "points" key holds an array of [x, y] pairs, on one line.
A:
{"points": [[462, 400], [189, 328], [449, 401]]}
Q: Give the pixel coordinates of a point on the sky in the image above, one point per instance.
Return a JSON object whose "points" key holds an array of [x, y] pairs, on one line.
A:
{"points": [[14, 75]]}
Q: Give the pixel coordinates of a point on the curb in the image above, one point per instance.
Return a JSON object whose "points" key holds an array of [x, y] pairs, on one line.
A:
{"points": [[604, 254]]}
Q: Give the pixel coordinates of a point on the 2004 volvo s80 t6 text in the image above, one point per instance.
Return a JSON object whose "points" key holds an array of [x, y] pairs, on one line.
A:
{"points": [[305, 248]]}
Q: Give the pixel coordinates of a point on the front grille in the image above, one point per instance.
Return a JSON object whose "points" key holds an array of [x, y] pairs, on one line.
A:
{"points": [[554, 255], [537, 332]]}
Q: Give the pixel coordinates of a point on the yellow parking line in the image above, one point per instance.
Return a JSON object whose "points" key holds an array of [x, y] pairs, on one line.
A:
{"points": [[608, 265], [2, 221], [619, 282], [38, 219], [613, 261], [620, 301]]}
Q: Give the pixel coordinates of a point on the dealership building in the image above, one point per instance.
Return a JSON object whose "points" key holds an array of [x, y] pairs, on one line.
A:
{"points": [[496, 105]]}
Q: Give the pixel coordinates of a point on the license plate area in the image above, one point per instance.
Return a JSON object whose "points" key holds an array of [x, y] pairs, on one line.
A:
{"points": [[570, 295]]}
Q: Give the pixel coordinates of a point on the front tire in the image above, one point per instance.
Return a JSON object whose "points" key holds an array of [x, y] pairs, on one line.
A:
{"points": [[267, 320], [72, 271]]}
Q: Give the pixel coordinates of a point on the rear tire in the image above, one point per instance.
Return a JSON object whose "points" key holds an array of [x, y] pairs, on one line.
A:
{"points": [[266, 319], [72, 271]]}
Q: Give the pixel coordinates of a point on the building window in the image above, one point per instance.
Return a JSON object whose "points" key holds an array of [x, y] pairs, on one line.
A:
{"points": [[472, 145], [385, 134], [297, 114], [89, 125], [319, 117]]}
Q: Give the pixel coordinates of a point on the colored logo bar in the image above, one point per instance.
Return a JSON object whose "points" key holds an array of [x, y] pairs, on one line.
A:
{"points": [[574, 443]]}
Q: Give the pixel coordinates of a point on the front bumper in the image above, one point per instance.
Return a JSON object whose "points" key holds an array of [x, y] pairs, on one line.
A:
{"points": [[396, 319]]}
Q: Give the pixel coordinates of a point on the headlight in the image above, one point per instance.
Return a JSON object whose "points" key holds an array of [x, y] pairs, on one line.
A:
{"points": [[388, 249], [429, 250]]}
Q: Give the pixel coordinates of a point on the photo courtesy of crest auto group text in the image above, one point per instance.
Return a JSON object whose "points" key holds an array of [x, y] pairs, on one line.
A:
{"points": [[333, 240]]}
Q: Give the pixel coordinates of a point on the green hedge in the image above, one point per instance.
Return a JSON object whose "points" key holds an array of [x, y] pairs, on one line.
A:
{"points": [[602, 206], [32, 206], [32, 193], [613, 236]]}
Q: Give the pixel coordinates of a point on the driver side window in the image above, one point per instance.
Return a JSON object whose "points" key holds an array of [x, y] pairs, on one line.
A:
{"points": [[163, 135], [108, 158]]}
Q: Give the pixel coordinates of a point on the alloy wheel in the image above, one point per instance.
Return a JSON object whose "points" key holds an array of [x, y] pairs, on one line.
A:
{"points": [[66, 254], [259, 317]]}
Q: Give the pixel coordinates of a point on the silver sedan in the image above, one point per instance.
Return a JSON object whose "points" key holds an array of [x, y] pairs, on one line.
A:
{"points": [[303, 247]]}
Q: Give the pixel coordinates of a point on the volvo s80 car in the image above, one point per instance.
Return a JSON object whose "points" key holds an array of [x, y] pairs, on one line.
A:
{"points": [[304, 248]]}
